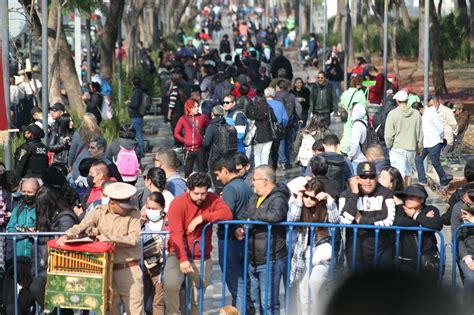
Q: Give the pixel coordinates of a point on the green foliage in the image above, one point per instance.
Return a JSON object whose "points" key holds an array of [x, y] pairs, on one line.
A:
{"points": [[455, 36], [84, 6]]}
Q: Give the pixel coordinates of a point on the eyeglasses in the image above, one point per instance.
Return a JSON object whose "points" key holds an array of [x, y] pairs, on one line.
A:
{"points": [[228, 102], [255, 179], [305, 195], [367, 176]]}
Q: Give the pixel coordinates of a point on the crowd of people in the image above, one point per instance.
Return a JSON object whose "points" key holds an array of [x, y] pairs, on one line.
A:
{"points": [[242, 121]]}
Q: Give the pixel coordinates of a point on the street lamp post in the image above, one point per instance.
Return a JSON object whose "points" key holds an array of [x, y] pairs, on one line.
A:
{"points": [[44, 68], [385, 47]]}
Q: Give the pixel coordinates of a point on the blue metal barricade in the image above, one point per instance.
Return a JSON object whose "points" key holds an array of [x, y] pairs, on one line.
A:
{"points": [[454, 244], [14, 237], [378, 232]]}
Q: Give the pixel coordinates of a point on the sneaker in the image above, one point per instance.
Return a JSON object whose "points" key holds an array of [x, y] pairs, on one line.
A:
{"points": [[449, 178], [423, 182]]}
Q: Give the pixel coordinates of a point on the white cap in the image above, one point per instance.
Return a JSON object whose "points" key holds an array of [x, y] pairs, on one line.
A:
{"points": [[401, 96]]}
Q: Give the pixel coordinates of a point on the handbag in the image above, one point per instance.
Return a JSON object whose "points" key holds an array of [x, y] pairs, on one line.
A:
{"points": [[107, 111], [250, 134], [153, 254], [277, 130]]}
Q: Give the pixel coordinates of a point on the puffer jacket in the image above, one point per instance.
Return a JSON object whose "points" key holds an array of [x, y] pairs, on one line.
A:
{"points": [[273, 209]]}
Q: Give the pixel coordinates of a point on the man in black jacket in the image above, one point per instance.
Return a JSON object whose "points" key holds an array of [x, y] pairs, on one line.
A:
{"points": [[31, 158], [268, 204], [369, 203], [212, 138], [459, 193], [58, 144]]}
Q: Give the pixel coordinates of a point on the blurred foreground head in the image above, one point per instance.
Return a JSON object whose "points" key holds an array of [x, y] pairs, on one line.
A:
{"points": [[391, 292]]}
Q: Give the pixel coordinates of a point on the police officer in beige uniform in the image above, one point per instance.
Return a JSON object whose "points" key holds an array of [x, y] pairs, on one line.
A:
{"points": [[118, 222]]}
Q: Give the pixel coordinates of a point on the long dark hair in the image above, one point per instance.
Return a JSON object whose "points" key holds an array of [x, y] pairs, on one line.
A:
{"points": [[260, 109], [396, 178], [49, 202], [317, 213]]}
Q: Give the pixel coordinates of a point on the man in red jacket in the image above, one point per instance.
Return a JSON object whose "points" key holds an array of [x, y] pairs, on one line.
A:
{"points": [[188, 214]]}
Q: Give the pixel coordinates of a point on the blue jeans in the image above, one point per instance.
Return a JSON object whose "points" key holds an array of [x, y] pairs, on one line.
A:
{"points": [[137, 123], [286, 146], [434, 153], [234, 269], [267, 299]]}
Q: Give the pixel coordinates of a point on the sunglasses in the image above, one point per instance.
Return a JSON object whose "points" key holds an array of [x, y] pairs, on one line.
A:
{"points": [[225, 102], [305, 195], [367, 176]]}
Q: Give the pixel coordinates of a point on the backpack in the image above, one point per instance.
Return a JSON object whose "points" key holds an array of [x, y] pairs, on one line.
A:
{"points": [[226, 89], [145, 105], [335, 169], [107, 111], [127, 164], [305, 152], [379, 119], [227, 140], [290, 110], [371, 136]]}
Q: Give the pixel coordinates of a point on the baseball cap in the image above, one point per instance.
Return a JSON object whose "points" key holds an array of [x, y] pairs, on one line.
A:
{"points": [[218, 110], [401, 96], [57, 107], [415, 191], [122, 192], [366, 168]]}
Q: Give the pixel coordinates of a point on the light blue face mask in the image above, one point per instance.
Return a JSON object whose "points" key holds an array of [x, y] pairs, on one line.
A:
{"points": [[153, 215], [105, 201], [17, 194]]}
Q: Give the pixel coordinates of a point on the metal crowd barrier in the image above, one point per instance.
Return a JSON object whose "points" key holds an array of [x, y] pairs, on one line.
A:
{"points": [[312, 226], [14, 237], [454, 243], [290, 226]]}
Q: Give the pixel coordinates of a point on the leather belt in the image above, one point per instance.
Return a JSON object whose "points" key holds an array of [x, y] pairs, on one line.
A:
{"points": [[127, 264]]}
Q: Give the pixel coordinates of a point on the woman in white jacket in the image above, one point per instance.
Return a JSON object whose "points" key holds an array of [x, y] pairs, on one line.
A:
{"points": [[311, 259], [359, 133]]}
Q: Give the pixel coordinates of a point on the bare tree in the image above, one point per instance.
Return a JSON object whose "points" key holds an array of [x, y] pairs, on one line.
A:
{"points": [[131, 16], [405, 15], [108, 37], [395, 8], [472, 33], [436, 49], [340, 10], [421, 37], [365, 30]]}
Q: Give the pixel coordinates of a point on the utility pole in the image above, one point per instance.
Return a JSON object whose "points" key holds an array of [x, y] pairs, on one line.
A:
{"points": [[6, 84]]}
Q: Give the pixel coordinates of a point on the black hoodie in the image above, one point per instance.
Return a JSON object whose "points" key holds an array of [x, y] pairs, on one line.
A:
{"points": [[273, 209]]}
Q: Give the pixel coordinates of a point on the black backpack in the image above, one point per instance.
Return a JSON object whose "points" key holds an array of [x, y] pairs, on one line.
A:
{"points": [[371, 136], [379, 119], [227, 140], [335, 169]]}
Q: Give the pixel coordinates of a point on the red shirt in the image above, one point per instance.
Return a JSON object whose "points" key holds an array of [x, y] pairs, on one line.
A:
{"points": [[194, 129], [181, 212], [376, 91]]}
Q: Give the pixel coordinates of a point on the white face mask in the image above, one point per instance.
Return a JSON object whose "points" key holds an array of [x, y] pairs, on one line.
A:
{"points": [[153, 215], [105, 201]]}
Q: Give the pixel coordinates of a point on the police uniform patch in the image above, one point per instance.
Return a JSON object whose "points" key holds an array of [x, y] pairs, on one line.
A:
{"points": [[23, 152]]}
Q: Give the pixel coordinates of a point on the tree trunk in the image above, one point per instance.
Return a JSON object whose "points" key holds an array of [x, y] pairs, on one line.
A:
{"points": [[365, 30], [421, 37], [393, 42], [472, 33], [108, 38], [440, 6], [354, 12], [437, 53], [350, 52], [379, 21], [132, 18], [405, 15], [337, 22]]}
